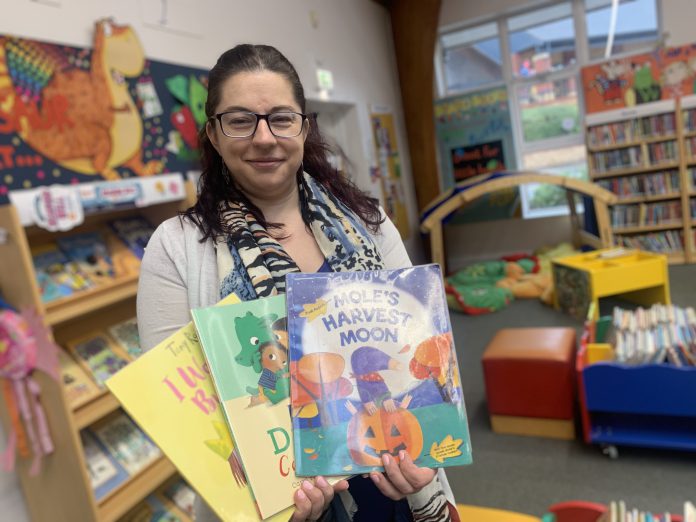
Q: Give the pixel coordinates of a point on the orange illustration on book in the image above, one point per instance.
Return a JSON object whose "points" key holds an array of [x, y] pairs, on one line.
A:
{"points": [[83, 120]]}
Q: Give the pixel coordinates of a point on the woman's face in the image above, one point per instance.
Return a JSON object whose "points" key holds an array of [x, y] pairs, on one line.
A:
{"points": [[263, 165]]}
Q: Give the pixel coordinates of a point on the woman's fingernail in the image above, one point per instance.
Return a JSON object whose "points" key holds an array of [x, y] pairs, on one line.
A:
{"points": [[385, 459], [402, 455], [321, 481], [301, 495], [375, 477], [307, 485]]}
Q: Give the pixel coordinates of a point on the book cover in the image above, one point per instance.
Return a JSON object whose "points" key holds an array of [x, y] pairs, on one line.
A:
{"points": [[89, 251], [154, 508], [245, 345], [126, 336], [98, 355], [373, 371], [124, 260], [169, 393], [105, 473], [181, 494], [134, 231], [126, 442], [56, 275], [79, 387]]}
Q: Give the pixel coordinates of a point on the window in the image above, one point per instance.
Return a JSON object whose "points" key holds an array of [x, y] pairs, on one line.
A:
{"points": [[471, 58], [549, 109], [542, 41], [636, 26]]}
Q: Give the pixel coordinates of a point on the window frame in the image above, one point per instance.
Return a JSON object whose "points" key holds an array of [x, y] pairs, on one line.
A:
{"points": [[512, 82]]}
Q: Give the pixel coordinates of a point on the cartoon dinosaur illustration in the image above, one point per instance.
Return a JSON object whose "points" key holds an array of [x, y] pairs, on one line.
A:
{"points": [[252, 332], [83, 120], [367, 362]]}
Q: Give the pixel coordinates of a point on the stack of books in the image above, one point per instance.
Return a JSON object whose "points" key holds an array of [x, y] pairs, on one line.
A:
{"points": [[343, 370], [618, 512], [660, 334]]}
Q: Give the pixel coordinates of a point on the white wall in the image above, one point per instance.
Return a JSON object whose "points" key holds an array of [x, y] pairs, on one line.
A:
{"points": [[352, 38]]}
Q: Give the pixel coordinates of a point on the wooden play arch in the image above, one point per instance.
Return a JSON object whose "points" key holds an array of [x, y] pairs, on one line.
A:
{"points": [[467, 191]]}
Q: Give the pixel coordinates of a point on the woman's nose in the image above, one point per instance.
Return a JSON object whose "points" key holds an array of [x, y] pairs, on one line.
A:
{"points": [[263, 133]]}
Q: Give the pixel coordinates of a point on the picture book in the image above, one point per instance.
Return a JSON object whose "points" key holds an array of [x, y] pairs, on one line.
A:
{"points": [[124, 261], [373, 371], [56, 275], [105, 473], [79, 387], [89, 251], [245, 345], [98, 355], [181, 494], [126, 442], [134, 231], [126, 336], [169, 393], [154, 508]]}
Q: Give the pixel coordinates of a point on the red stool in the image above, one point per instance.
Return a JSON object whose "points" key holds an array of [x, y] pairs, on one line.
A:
{"points": [[530, 381]]}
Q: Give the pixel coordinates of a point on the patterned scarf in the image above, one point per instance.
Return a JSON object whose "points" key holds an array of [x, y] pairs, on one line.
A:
{"points": [[253, 264]]}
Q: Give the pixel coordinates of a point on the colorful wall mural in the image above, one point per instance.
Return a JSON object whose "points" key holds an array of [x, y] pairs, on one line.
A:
{"points": [[70, 115], [664, 74], [474, 136]]}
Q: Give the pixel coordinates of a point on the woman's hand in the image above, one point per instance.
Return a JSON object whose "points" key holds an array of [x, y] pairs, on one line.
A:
{"points": [[401, 476], [311, 500]]}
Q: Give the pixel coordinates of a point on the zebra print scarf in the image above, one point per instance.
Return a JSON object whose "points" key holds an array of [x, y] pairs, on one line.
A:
{"points": [[252, 264]]}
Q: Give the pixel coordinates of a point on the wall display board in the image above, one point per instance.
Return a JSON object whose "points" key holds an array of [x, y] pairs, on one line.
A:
{"points": [[664, 74], [474, 137], [387, 150], [70, 115]]}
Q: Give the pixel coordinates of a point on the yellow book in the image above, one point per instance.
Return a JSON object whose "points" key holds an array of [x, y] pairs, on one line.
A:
{"points": [[169, 393]]}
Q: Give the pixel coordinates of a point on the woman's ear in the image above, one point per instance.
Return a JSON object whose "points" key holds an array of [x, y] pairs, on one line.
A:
{"points": [[212, 135]]}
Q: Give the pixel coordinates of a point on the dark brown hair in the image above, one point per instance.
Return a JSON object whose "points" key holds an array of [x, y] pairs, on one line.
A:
{"points": [[217, 189]]}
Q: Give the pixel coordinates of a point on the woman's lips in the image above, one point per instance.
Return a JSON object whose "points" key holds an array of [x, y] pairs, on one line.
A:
{"points": [[265, 163]]}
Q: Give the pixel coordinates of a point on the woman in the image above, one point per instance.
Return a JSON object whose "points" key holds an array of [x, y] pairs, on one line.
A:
{"points": [[270, 203]]}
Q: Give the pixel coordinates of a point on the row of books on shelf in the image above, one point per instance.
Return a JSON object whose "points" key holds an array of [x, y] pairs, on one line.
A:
{"points": [[660, 334], [92, 359], [656, 184], [628, 158], [80, 261], [631, 130], [168, 504], [644, 214], [666, 241], [326, 379], [662, 152], [689, 119], [619, 512], [690, 147]]}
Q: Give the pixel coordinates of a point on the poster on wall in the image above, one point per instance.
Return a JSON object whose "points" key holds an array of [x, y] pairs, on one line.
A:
{"points": [[664, 74], [388, 171], [474, 160], [474, 137], [70, 115]]}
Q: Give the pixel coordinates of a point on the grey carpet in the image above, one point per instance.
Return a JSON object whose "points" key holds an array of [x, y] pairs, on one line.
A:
{"points": [[528, 474]]}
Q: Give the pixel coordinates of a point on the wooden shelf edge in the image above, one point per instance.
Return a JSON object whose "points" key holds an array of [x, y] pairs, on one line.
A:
{"points": [[127, 496], [627, 144], [90, 412], [642, 199], [92, 299], [637, 170]]}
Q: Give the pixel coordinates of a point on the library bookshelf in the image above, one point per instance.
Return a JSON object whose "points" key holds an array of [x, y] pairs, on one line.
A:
{"points": [[646, 156], [62, 490]]}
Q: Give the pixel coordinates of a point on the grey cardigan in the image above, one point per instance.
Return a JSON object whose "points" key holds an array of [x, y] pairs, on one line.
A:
{"points": [[179, 273]]}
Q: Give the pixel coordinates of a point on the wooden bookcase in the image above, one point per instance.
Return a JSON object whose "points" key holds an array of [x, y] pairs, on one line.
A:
{"points": [[62, 490], [641, 155]]}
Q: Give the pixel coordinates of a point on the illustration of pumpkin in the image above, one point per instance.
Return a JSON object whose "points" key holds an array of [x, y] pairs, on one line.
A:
{"points": [[371, 436]]}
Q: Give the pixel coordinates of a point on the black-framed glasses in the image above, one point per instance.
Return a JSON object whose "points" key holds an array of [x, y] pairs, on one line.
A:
{"points": [[242, 124]]}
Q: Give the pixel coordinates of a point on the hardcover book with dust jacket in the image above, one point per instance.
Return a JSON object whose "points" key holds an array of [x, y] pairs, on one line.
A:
{"points": [[373, 371]]}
